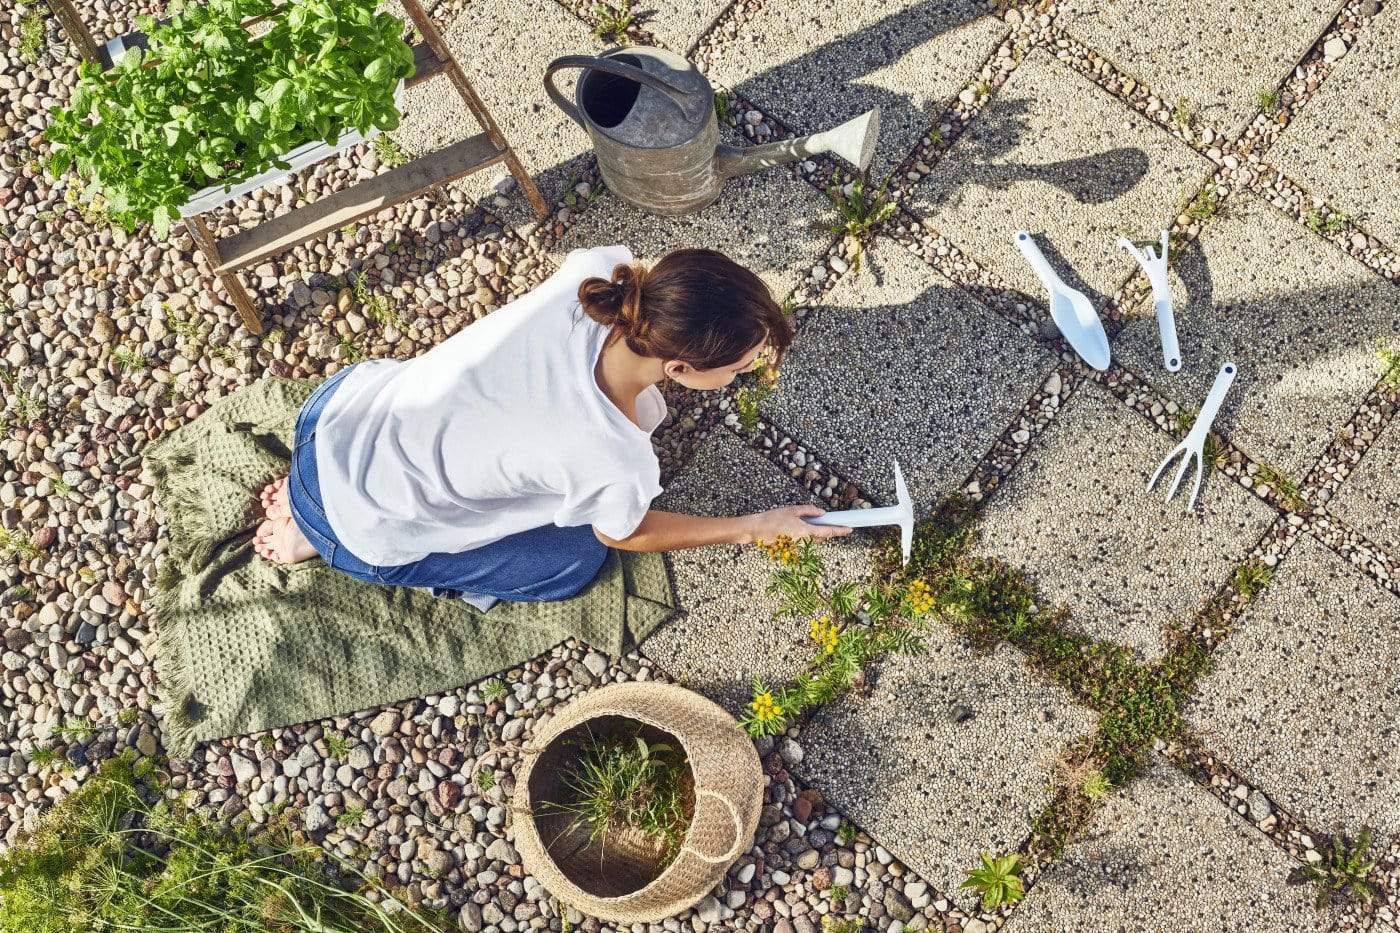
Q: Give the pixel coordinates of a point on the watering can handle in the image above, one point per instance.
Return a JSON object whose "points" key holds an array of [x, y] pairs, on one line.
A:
{"points": [[612, 67], [740, 843]]}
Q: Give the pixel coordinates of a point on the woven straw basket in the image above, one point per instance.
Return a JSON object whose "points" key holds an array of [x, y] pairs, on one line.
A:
{"points": [[622, 884]]}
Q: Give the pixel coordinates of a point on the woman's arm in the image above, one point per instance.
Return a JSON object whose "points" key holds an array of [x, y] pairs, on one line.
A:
{"points": [[672, 531]]}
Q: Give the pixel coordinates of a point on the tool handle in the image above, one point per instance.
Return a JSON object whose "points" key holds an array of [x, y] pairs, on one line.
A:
{"points": [[1218, 390], [621, 69], [1031, 250], [858, 518], [1166, 326]]}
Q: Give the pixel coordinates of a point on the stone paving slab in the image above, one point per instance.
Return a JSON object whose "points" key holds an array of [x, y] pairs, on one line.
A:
{"points": [[1216, 56], [1299, 317], [1304, 696], [771, 222], [1075, 516], [1342, 145], [1055, 154], [508, 76], [814, 65], [678, 25], [898, 364], [1369, 500], [725, 634], [949, 755], [1165, 855]]}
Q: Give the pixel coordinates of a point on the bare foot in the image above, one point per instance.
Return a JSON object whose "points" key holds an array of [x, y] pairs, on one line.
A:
{"points": [[281, 541], [274, 499]]}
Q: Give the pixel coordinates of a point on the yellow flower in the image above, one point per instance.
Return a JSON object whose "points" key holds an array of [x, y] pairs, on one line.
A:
{"points": [[825, 633], [765, 708], [919, 597], [780, 549]]}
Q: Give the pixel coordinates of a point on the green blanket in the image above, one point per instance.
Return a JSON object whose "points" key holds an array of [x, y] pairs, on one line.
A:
{"points": [[245, 645]]}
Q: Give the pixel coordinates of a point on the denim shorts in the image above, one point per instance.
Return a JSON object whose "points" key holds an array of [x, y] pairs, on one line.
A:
{"points": [[536, 565]]}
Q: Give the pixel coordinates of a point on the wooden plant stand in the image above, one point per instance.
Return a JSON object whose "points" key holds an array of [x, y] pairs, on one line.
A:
{"points": [[431, 58]]}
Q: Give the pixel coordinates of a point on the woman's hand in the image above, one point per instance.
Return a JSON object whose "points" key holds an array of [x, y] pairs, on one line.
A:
{"points": [[788, 521]]}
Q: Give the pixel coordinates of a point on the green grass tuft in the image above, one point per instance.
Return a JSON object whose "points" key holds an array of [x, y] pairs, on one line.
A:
{"points": [[613, 20]]}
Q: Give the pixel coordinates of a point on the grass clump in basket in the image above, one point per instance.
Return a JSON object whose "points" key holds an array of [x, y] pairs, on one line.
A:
{"points": [[120, 854], [623, 782]]}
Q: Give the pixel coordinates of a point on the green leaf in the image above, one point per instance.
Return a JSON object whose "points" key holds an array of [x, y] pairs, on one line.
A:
{"points": [[278, 91], [160, 222], [381, 69]]}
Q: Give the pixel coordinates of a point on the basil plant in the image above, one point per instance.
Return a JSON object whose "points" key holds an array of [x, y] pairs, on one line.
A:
{"points": [[211, 103]]}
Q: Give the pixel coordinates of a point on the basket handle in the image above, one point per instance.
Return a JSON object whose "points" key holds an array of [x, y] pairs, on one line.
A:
{"points": [[740, 843]]}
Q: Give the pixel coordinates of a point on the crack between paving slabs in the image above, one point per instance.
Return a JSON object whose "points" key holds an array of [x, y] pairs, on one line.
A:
{"points": [[1244, 798], [1255, 140], [1130, 720]]}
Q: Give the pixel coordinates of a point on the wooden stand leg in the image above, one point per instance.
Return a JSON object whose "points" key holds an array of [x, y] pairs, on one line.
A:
{"points": [[204, 237], [430, 34], [77, 33]]}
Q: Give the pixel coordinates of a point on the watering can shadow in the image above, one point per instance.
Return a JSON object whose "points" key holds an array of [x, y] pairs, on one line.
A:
{"points": [[651, 118]]}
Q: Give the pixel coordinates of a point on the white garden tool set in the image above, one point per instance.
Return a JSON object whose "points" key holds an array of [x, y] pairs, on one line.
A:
{"points": [[1074, 315]]}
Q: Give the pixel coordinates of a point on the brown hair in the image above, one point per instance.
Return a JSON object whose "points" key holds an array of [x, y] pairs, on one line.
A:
{"points": [[695, 305]]}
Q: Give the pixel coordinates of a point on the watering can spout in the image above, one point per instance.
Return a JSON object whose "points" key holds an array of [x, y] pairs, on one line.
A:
{"points": [[854, 141]]}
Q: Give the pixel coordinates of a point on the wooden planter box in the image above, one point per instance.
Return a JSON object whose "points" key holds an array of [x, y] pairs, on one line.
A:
{"points": [[431, 59], [307, 154]]}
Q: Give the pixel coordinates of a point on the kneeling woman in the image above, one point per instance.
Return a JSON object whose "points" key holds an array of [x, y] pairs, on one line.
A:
{"points": [[505, 461]]}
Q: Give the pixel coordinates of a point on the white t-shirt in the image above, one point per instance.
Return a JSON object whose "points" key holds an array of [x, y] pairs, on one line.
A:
{"points": [[499, 429]]}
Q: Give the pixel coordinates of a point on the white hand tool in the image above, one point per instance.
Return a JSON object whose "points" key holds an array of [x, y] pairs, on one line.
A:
{"points": [[1194, 445], [1070, 309], [901, 514], [1155, 266]]}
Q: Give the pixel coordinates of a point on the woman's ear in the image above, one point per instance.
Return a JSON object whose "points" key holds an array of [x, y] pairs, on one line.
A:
{"points": [[674, 368]]}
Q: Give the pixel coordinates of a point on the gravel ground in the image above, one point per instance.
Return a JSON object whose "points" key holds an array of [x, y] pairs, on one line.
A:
{"points": [[111, 340]]}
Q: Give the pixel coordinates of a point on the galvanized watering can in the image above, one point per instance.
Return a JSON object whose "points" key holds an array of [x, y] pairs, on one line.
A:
{"points": [[651, 117]]}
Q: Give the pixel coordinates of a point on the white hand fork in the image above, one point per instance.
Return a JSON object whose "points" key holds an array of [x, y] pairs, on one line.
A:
{"points": [[1155, 266], [1070, 309], [901, 514], [1194, 445]]}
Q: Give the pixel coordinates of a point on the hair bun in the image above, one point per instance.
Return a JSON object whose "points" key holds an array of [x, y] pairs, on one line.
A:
{"points": [[616, 302]]}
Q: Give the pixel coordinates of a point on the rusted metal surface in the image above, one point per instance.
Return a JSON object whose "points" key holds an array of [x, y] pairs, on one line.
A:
{"points": [[651, 117]]}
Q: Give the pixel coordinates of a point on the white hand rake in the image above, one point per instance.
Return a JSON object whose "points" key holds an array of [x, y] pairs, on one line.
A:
{"points": [[1192, 448]]}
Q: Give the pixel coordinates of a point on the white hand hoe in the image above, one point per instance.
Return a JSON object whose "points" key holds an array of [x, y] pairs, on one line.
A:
{"points": [[901, 514]]}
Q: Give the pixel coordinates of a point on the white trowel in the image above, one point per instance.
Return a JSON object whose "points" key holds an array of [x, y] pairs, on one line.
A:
{"points": [[1070, 309]]}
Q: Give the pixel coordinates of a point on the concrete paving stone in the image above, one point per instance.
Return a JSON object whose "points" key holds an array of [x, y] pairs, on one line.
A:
{"points": [[1297, 315], [1217, 56], [770, 222], [898, 364], [816, 64], [1304, 696], [950, 755], [725, 634], [508, 76], [1055, 154], [1342, 143], [1369, 500], [1075, 516], [678, 25], [1163, 854]]}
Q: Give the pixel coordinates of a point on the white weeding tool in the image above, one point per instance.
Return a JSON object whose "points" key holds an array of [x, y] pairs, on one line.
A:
{"points": [[1155, 266], [901, 514], [1192, 447], [1069, 309]]}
